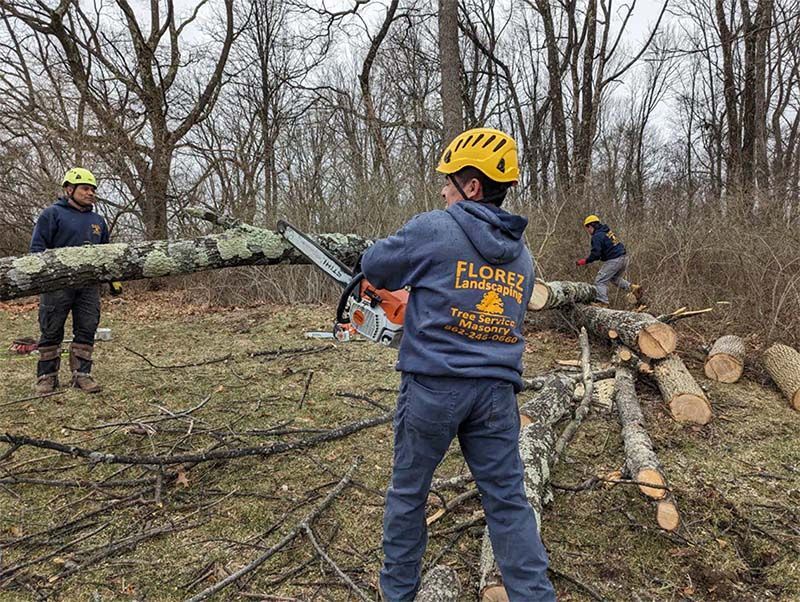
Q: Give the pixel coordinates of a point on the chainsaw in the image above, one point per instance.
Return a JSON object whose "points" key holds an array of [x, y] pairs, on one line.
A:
{"points": [[374, 313]]}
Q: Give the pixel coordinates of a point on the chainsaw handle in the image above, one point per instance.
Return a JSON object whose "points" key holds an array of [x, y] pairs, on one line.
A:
{"points": [[341, 316]]}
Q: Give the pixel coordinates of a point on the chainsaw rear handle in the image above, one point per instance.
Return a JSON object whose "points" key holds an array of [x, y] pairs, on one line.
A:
{"points": [[341, 309]]}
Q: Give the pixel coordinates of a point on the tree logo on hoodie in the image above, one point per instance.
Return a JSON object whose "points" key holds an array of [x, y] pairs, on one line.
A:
{"points": [[490, 304]]}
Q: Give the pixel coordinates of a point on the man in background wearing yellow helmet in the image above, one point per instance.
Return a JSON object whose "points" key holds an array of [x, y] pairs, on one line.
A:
{"points": [[69, 222], [608, 249], [470, 277]]}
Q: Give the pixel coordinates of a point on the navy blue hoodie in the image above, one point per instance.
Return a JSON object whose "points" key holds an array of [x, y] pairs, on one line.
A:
{"points": [[605, 245], [61, 225], [471, 277]]}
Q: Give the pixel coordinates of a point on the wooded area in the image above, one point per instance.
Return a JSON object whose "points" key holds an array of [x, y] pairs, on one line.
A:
{"points": [[234, 458], [676, 121]]}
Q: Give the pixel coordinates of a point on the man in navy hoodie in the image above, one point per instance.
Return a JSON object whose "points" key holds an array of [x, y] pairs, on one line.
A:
{"points": [[607, 248], [69, 222], [470, 277]]}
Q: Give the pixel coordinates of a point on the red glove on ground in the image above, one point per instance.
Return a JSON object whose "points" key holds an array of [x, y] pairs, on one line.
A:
{"points": [[580, 262]]}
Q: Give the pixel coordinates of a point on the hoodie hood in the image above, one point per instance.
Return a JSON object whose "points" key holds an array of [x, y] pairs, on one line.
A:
{"points": [[495, 233], [601, 228]]}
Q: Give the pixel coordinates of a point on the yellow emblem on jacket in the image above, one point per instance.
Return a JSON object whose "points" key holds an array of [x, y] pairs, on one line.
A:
{"points": [[96, 229]]}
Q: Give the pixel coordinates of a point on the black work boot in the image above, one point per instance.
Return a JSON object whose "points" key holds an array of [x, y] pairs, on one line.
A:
{"points": [[47, 369], [80, 363]]}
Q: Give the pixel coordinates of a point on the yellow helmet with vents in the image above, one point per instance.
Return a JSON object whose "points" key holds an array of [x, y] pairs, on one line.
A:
{"points": [[79, 175], [491, 151], [590, 219]]}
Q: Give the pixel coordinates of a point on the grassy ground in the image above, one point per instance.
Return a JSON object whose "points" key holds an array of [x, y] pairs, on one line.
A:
{"points": [[736, 481]]}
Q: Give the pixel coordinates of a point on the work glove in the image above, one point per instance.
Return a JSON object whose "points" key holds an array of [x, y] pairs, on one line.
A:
{"points": [[580, 262], [115, 288]]}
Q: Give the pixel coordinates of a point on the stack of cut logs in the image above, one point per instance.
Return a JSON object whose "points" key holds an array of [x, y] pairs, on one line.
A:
{"points": [[643, 345]]}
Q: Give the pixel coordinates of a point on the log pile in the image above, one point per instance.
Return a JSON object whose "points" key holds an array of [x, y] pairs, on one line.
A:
{"points": [[642, 342]]}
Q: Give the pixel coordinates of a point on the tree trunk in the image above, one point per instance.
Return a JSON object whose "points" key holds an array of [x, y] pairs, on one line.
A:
{"points": [[783, 365], [640, 460], [450, 69], [71, 267], [551, 402], [686, 399], [725, 361], [547, 295], [440, 584], [638, 330]]}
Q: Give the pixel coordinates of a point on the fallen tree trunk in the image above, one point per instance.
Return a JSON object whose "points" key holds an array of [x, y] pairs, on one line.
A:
{"points": [[783, 365], [240, 245], [641, 463], [551, 402], [640, 331], [725, 361], [440, 584], [680, 390], [547, 295]]}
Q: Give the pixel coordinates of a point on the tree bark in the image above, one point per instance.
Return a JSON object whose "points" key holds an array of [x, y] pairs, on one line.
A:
{"points": [[70, 267], [680, 390], [783, 365], [547, 295], [450, 69], [725, 361], [440, 584], [640, 331]]}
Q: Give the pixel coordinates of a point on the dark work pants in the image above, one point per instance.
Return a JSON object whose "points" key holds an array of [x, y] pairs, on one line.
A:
{"points": [[84, 303], [483, 414]]}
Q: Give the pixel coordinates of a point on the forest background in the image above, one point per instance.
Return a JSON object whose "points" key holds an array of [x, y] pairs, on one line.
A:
{"points": [[675, 121]]}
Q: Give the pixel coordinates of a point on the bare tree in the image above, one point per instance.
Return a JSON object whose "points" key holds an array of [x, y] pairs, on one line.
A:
{"points": [[450, 69], [134, 113]]}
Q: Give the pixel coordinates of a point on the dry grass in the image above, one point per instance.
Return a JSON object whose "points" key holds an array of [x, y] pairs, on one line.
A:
{"points": [[737, 481]]}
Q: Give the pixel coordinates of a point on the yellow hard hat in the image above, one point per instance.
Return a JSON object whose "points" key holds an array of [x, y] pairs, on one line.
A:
{"points": [[79, 175], [590, 220], [491, 151]]}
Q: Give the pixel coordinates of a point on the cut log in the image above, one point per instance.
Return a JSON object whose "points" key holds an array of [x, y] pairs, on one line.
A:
{"points": [[240, 245], [440, 584], [547, 295], [623, 355], [680, 390], [725, 361], [783, 365], [641, 462], [667, 515], [639, 331]]}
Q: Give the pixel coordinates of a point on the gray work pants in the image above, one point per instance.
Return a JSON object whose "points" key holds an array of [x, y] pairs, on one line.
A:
{"points": [[611, 271]]}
